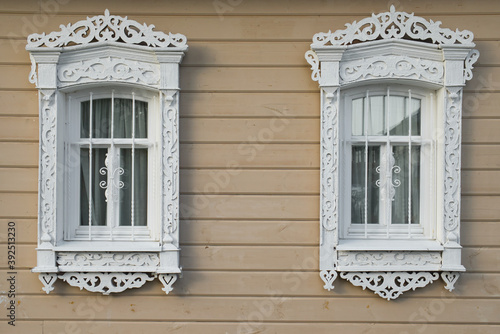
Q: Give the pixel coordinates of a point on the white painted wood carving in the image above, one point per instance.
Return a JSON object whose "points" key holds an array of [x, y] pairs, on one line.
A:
{"points": [[390, 48], [393, 25], [109, 69], [390, 285], [106, 283], [391, 67], [108, 53], [103, 28], [108, 259]]}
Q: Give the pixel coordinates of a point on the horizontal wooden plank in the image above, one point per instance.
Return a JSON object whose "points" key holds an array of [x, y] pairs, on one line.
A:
{"points": [[199, 181], [250, 155], [18, 205], [374, 309], [286, 283], [18, 179], [247, 79], [477, 233], [276, 104], [226, 8], [276, 129], [243, 27], [275, 258], [129, 327], [241, 232], [480, 207], [26, 230], [249, 207], [19, 128], [480, 156], [19, 154], [241, 53], [19, 103], [22, 327], [481, 182], [249, 181]]}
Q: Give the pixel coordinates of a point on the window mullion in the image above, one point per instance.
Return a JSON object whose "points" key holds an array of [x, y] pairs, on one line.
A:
{"points": [[90, 187]]}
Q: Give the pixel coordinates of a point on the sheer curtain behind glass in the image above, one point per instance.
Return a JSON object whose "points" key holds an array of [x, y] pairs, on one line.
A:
{"points": [[128, 122], [381, 163]]}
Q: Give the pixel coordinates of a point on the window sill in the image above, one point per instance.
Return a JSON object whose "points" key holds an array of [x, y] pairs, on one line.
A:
{"points": [[111, 246], [388, 245]]}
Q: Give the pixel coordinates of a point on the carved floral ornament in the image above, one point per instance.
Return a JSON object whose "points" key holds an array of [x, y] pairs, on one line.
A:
{"points": [[391, 47], [106, 50]]}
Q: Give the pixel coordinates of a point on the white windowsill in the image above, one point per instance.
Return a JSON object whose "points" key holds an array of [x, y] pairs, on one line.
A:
{"points": [[110, 246], [388, 245]]}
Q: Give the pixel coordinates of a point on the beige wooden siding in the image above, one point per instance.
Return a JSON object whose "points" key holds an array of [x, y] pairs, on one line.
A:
{"points": [[250, 194]]}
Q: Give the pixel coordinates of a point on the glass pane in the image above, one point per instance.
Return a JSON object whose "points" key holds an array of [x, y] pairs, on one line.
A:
{"points": [[376, 116], [373, 120], [101, 118], [358, 117], [359, 166], [99, 181], [140, 191], [400, 207], [123, 118], [398, 119]]}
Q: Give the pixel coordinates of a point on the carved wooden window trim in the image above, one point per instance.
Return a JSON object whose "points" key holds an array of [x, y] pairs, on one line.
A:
{"points": [[107, 52], [403, 49]]}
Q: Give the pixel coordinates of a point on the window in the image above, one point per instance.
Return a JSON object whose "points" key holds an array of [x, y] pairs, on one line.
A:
{"points": [[391, 98], [115, 141], [387, 174], [109, 155]]}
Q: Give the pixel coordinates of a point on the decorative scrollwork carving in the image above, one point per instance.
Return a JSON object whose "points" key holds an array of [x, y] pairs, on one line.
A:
{"points": [[170, 177], [452, 137], [329, 159], [471, 59], [388, 258], [48, 280], [106, 283], [109, 69], [167, 280], [328, 276], [393, 25], [450, 278], [47, 197], [312, 59], [390, 285], [107, 27], [118, 259], [392, 67]]}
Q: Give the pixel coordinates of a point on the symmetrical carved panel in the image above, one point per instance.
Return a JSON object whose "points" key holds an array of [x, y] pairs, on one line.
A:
{"points": [[107, 27], [390, 285], [391, 67], [452, 137], [393, 25], [48, 161], [95, 259], [106, 283], [170, 168], [329, 159], [388, 258], [109, 69], [404, 49]]}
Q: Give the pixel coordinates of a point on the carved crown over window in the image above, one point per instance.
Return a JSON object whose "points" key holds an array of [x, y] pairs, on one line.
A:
{"points": [[400, 50], [102, 54], [104, 28]]}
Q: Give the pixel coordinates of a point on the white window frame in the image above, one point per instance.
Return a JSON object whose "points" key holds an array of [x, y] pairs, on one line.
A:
{"points": [[391, 49], [427, 208], [119, 56]]}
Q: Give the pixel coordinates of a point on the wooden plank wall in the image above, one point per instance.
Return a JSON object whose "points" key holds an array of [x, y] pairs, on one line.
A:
{"points": [[250, 177]]}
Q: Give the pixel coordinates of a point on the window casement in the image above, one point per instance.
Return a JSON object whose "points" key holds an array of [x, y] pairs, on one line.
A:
{"points": [[109, 154], [391, 104]]}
